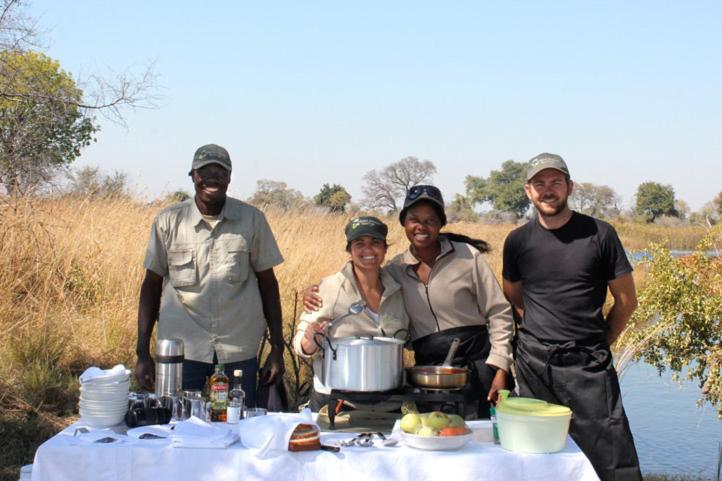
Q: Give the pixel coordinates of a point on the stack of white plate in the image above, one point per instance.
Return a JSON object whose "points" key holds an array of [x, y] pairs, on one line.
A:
{"points": [[104, 397]]}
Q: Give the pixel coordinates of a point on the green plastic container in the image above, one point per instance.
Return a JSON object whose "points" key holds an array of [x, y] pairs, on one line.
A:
{"points": [[529, 425]]}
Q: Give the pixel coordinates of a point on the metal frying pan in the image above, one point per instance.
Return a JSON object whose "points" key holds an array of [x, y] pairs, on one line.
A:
{"points": [[445, 376]]}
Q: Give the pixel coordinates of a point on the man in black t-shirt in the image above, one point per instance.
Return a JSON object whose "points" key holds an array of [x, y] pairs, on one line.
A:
{"points": [[557, 269]]}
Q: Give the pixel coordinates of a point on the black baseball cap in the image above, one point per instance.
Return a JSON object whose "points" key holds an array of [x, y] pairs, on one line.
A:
{"points": [[424, 193], [211, 154]]}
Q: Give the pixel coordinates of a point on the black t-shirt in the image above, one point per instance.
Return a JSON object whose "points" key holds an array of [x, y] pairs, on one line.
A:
{"points": [[564, 274]]}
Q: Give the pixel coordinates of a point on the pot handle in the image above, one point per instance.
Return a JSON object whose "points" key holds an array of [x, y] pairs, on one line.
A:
{"points": [[321, 335], [406, 337]]}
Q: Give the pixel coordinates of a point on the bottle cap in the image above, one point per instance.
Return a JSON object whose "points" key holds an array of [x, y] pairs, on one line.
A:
{"points": [[238, 373]]}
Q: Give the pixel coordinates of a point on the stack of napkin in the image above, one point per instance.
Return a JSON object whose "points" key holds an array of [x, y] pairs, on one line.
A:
{"points": [[196, 433], [272, 432]]}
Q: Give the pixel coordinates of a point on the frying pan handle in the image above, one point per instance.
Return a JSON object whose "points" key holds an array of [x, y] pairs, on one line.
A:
{"points": [[452, 351]]}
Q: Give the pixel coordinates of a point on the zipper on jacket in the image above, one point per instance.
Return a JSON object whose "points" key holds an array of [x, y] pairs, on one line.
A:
{"points": [[428, 300]]}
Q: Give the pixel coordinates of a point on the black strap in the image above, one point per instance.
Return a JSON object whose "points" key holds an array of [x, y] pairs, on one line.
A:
{"points": [[169, 359]]}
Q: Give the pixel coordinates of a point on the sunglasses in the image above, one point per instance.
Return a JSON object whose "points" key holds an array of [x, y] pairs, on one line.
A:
{"points": [[418, 190]]}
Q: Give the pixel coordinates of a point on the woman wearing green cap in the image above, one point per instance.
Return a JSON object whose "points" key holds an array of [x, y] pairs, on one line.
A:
{"points": [[360, 279], [450, 292]]}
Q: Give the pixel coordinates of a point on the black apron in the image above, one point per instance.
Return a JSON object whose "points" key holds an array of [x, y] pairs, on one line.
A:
{"points": [[431, 350], [581, 375]]}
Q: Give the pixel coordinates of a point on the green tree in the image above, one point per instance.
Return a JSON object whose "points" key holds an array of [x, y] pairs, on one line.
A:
{"points": [[718, 203], [678, 324], [42, 129], [504, 188], [91, 182], [387, 188], [594, 200], [274, 193], [461, 210], [334, 197], [654, 199]]}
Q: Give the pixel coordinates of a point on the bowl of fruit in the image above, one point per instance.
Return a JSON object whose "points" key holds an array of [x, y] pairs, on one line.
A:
{"points": [[434, 431]]}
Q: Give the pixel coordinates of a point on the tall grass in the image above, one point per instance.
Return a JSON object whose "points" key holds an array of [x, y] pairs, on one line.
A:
{"points": [[70, 271]]}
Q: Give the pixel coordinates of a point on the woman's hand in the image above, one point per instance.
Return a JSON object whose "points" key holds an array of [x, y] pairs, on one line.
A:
{"points": [[498, 383], [308, 344], [311, 300]]}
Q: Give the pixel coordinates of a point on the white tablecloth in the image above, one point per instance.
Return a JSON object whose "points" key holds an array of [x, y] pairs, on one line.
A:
{"points": [[62, 458]]}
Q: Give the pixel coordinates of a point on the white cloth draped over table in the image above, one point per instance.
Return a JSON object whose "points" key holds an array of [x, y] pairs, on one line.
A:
{"points": [[140, 460]]}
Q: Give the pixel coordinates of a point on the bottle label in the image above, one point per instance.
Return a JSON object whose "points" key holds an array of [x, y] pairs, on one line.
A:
{"points": [[233, 414]]}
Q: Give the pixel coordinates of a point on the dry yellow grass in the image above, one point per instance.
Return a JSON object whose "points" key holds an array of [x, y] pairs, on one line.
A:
{"points": [[70, 271]]}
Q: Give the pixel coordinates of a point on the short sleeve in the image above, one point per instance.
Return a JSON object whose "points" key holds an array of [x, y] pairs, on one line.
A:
{"points": [[510, 269], [264, 250], [615, 259], [156, 257]]}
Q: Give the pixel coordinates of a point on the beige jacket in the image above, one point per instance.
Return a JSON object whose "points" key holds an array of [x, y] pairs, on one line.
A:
{"points": [[462, 291], [338, 292]]}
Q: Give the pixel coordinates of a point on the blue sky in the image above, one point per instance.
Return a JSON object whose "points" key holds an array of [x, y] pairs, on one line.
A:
{"points": [[322, 92]]}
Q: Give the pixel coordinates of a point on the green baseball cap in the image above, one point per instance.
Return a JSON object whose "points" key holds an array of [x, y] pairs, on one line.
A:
{"points": [[211, 154], [546, 161], [366, 225]]}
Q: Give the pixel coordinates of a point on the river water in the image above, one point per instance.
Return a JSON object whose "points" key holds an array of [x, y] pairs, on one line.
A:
{"points": [[671, 433]]}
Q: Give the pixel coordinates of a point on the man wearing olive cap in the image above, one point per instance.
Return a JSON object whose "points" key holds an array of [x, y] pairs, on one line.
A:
{"points": [[209, 282], [557, 269]]}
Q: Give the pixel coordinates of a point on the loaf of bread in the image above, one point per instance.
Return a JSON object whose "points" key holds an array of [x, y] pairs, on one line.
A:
{"points": [[305, 438]]}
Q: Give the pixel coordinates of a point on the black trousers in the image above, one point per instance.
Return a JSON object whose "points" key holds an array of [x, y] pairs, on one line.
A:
{"points": [[582, 377]]}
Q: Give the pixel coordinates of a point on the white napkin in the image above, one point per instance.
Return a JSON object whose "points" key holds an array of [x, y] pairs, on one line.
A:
{"points": [[163, 431], [272, 432], [76, 434], [116, 373], [196, 433]]}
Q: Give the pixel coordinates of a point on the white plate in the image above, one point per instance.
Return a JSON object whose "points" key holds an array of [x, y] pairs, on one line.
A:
{"points": [[114, 405], [103, 396], [107, 386], [102, 421], [436, 443]]}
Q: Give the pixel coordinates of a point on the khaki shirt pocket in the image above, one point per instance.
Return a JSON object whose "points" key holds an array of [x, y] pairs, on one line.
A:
{"points": [[237, 259], [182, 267]]}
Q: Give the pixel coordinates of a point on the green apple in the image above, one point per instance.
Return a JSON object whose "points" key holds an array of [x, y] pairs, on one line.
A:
{"points": [[456, 421], [410, 423], [427, 431], [437, 420]]}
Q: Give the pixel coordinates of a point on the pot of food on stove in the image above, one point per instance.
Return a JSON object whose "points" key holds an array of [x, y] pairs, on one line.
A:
{"points": [[445, 376], [362, 363]]}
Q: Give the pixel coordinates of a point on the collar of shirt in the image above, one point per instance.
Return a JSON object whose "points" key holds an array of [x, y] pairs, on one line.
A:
{"points": [[227, 212], [410, 259]]}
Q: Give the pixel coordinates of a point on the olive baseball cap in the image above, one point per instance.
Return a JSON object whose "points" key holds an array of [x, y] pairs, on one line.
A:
{"points": [[211, 154], [366, 225], [546, 161]]}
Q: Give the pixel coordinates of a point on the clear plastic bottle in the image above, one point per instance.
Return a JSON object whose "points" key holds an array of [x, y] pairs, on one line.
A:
{"points": [[236, 399]]}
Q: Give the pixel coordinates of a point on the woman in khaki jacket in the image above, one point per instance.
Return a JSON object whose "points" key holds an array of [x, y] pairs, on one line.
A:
{"points": [[360, 279], [450, 292]]}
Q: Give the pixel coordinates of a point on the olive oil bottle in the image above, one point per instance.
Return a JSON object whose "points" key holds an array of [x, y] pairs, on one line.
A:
{"points": [[219, 394]]}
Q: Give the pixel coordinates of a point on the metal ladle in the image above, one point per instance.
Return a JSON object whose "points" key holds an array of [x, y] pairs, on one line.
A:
{"points": [[353, 309]]}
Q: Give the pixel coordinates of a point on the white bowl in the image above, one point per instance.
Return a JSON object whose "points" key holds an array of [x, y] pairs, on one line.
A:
{"points": [[105, 385], [114, 405], [103, 396], [102, 421], [436, 443]]}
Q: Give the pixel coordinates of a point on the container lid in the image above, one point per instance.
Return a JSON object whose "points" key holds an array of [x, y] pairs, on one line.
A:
{"points": [[522, 406], [365, 341], [169, 347]]}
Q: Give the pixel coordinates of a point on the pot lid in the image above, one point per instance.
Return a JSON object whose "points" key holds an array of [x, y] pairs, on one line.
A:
{"points": [[366, 341], [522, 406]]}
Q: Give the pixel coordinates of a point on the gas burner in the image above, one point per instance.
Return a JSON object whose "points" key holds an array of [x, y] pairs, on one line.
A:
{"points": [[438, 389]]}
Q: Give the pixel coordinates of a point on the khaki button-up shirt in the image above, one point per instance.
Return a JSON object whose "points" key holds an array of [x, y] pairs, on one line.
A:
{"points": [[210, 298], [338, 292], [461, 291]]}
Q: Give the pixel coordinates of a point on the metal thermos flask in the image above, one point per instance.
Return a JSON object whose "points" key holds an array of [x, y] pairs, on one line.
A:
{"points": [[169, 367]]}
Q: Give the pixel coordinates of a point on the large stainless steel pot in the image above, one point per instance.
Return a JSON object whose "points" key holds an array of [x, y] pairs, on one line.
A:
{"points": [[362, 364]]}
